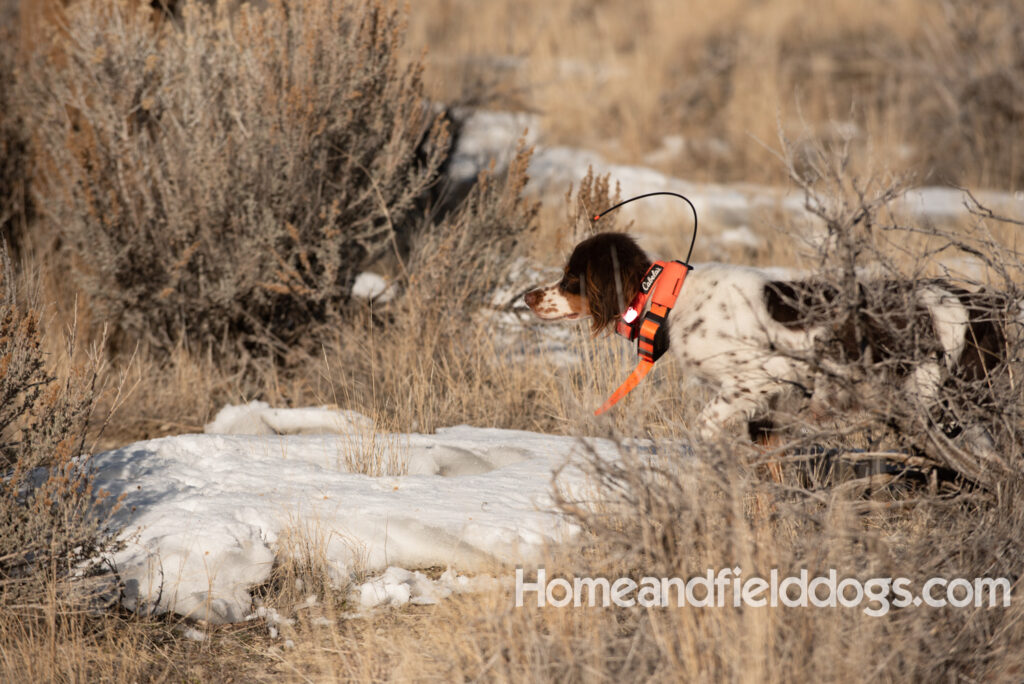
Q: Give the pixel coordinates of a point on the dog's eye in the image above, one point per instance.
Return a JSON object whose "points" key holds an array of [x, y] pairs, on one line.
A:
{"points": [[570, 284]]}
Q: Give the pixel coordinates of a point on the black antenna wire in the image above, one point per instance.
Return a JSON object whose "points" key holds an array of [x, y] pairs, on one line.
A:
{"points": [[652, 194]]}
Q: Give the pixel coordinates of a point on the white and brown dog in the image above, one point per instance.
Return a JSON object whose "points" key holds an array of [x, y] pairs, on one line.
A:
{"points": [[751, 336]]}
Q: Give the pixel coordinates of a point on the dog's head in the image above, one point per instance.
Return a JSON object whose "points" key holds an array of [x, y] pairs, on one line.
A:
{"points": [[600, 279]]}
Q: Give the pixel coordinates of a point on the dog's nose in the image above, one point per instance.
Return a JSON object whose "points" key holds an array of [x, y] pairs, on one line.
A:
{"points": [[533, 297]]}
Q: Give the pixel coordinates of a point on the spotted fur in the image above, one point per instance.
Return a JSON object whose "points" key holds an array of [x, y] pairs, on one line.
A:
{"points": [[745, 333]]}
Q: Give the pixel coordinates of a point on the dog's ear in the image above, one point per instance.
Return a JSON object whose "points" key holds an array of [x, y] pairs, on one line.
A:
{"points": [[604, 300], [613, 281], [610, 267]]}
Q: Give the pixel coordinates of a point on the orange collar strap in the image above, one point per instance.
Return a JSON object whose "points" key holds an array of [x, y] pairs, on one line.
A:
{"points": [[660, 288]]}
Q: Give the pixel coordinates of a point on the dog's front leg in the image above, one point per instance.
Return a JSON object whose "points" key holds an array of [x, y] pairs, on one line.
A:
{"points": [[731, 404]]}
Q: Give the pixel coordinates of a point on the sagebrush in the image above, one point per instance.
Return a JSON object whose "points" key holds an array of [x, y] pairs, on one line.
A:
{"points": [[883, 378], [224, 178], [53, 522]]}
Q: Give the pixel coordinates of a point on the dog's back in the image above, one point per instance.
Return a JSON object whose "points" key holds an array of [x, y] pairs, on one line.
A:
{"points": [[755, 336]]}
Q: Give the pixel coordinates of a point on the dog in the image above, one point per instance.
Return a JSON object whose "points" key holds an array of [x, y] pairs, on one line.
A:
{"points": [[756, 338]]}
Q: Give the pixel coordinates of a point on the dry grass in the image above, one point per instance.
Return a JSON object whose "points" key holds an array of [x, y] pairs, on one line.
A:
{"points": [[930, 87], [923, 95], [659, 516], [231, 174], [659, 519]]}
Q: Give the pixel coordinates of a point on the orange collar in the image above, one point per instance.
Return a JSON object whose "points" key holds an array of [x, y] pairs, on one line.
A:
{"points": [[660, 286]]}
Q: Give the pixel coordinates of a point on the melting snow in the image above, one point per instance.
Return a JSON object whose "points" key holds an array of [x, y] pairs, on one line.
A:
{"points": [[397, 587], [739, 237], [372, 286], [492, 135], [208, 511], [257, 418]]}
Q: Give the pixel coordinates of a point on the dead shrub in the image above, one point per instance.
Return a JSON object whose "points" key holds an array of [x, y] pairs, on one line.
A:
{"points": [[465, 258], [53, 522], [224, 178], [433, 356], [883, 296], [672, 512]]}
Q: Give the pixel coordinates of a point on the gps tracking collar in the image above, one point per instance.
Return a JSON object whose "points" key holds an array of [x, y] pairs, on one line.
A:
{"points": [[659, 290], [650, 329]]}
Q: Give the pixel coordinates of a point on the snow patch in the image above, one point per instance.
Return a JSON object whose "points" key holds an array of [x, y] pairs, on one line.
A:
{"points": [[397, 587], [487, 136], [372, 286], [257, 418], [203, 514], [742, 236], [493, 135], [192, 634]]}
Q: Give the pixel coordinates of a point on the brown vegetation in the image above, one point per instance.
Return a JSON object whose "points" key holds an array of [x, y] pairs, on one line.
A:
{"points": [[934, 88], [223, 181], [208, 183], [881, 377], [53, 522]]}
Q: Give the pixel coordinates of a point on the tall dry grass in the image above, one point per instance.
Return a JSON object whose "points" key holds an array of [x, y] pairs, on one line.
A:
{"points": [[54, 523], [221, 180], [663, 516], [928, 87]]}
